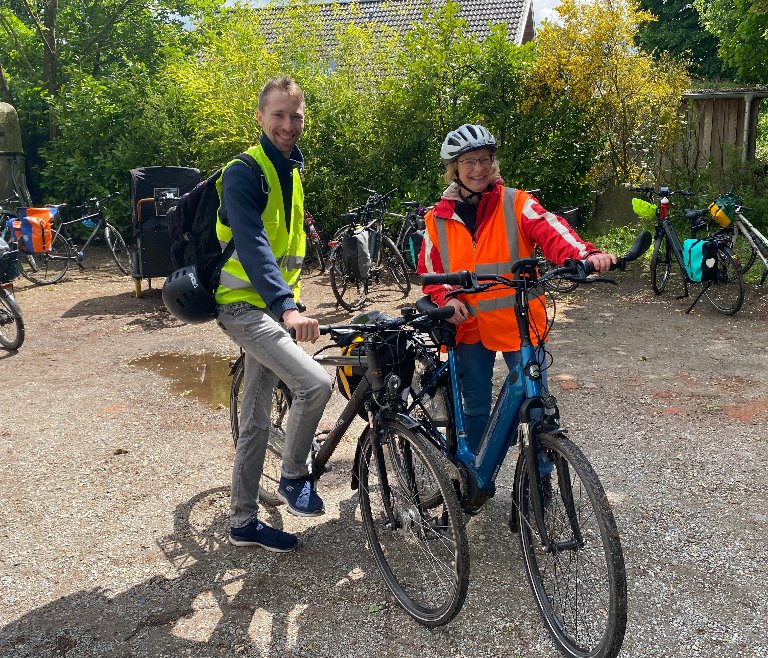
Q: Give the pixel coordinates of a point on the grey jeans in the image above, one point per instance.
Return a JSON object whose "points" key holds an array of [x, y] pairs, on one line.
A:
{"points": [[270, 353]]}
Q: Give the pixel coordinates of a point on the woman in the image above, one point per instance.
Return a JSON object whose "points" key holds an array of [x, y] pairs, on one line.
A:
{"points": [[482, 226]]}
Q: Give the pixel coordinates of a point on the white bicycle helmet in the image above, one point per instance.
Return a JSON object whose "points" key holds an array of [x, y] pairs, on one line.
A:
{"points": [[468, 137]]}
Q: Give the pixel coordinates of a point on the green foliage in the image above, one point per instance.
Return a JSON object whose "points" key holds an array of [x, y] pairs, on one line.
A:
{"points": [[618, 239], [678, 32], [742, 28]]}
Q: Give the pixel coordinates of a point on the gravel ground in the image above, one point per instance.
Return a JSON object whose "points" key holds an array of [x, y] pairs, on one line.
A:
{"points": [[114, 486]]}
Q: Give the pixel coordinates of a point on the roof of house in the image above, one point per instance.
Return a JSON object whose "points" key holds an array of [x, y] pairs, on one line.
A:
{"points": [[401, 14]]}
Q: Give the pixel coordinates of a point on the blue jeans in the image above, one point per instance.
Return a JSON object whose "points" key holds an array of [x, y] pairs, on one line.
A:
{"points": [[270, 353]]}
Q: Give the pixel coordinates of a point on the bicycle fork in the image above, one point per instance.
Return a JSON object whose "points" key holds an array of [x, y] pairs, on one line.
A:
{"points": [[529, 447]]}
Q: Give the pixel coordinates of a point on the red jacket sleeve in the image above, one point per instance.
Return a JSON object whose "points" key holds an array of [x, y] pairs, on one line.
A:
{"points": [[558, 241], [431, 262]]}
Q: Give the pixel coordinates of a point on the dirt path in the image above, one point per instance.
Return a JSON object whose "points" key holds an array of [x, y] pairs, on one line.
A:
{"points": [[114, 492]]}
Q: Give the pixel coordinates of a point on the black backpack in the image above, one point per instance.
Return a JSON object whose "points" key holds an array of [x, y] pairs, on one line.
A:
{"points": [[192, 227]]}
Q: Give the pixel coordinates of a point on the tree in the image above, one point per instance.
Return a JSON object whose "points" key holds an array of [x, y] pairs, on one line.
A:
{"points": [[742, 28], [631, 100], [677, 31]]}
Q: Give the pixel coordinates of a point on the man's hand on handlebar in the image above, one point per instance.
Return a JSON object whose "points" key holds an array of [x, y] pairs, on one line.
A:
{"points": [[601, 262], [306, 329]]}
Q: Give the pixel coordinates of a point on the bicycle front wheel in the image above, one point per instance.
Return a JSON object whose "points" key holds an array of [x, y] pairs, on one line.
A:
{"points": [[393, 270], [661, 265], [49, 266], [580, 585], [118, 249], [350, 292], [421, 550], [726, 293], [273, 458], [11, 322]]}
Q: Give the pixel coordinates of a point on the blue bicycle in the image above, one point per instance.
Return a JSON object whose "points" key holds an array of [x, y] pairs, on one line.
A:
{"points": [[567, 532]]}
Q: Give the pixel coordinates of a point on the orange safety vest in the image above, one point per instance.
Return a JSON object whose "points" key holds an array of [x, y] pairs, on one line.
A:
{"points": [[498, 246]]}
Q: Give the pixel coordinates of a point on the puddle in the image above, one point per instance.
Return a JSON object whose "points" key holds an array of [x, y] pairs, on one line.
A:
{"points": [[204, 377]]}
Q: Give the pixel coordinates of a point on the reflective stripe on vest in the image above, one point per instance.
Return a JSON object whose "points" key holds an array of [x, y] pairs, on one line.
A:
{"points": [[492, 312], [288, 245]]}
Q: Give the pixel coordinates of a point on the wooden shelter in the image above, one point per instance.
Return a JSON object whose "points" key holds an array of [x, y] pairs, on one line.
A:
{"points": [[720, 122]]}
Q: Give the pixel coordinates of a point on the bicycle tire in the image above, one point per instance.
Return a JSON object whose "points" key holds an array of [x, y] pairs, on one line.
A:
{"points": [[726, 295], [585, 611], [743, 250], [118, 248], [661, 265], [434, 595], [392, 262], [273, 457], [48, 267], [349, 292], [11, 322]]}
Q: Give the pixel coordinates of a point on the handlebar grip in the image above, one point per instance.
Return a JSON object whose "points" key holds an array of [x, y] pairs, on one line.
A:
{"points": [[462, 279], [325, 329]]}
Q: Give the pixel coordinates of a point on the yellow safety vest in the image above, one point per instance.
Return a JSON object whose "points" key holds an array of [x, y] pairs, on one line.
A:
{"points": [[288, 247]]}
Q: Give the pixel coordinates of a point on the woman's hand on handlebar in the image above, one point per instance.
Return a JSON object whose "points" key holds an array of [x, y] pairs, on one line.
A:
{"points": [[460, 311], [601, 262], [305, 329]]}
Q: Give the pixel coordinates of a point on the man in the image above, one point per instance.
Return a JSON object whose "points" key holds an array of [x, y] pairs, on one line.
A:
{"points": [[256, 303]]}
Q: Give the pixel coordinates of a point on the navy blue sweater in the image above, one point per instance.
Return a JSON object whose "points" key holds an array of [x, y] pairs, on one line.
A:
{"points": [[242, 197]]}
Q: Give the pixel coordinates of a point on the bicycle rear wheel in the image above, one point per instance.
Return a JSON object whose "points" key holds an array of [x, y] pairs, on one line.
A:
{"points": [[557, 284], [350, 292], [661, 265], [313, 259], [726, 294], [580, 586], [421, 551], [394, 273], [11, 322], [409, 252], [47, 267], [273, 458], [119, 250]]}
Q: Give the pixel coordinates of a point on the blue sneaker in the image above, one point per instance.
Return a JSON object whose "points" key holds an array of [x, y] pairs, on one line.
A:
{"points": [[260, 534], [299, 494]]}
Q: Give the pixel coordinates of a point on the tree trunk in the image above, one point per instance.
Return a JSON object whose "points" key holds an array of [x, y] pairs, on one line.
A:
{"points": [[50, 59]]}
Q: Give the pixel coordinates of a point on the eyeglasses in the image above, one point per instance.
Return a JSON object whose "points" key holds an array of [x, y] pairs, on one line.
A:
{"points": [[471, 162]]}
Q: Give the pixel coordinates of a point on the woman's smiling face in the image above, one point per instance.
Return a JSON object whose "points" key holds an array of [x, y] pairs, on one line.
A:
{"points": [[476, 169]]}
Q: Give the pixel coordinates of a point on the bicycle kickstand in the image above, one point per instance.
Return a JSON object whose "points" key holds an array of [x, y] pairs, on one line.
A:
{"points": [[698, 297]]}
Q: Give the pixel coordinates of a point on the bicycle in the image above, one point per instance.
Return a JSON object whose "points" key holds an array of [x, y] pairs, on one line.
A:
{"points": [[350, 281], [11, 320], [51, 266], [754, 243], [566, 529], [556, 284], [313, 259], [395, 464], [726, 293], [412, 226]]}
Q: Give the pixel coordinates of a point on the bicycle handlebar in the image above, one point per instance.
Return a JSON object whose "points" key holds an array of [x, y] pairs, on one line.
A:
{"points": [[574, 269], [351, 330], [662, 191]]}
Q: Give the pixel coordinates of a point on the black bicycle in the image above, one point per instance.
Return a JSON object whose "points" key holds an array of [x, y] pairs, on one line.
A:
{"points": [[363, 255], [408, 501], [410, 234], [11, 321], [314, 258], [51, 266], [725, 290]]}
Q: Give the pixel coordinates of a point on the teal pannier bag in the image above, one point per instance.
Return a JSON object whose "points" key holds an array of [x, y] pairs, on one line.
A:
{"points": [[700, 258]]}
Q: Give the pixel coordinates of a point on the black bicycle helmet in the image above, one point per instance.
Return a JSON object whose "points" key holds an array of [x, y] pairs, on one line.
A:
{"points": [[464, 139], [186, 298]]}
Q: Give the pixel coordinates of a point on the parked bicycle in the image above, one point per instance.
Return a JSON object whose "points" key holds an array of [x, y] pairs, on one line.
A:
{"points": [[363, 255], [410, 234], [419, 544], [314, 259], [725, 290], [11, 321], [51, 266], [746, 241]]}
